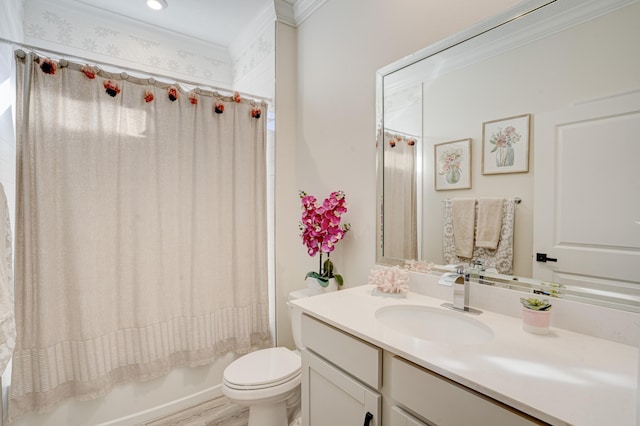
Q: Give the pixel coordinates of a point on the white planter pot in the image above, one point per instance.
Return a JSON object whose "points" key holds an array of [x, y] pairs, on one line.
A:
{"points": [[315, 286]]}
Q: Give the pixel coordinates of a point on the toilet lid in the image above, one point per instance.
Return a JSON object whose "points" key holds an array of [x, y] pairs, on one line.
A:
{"points": [[263, 367]]}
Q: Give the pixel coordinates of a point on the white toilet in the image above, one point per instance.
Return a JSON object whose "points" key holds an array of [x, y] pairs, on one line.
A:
{"points": [[268, 380]]}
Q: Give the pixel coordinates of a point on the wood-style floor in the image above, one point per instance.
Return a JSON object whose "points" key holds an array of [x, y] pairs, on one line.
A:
{"points": [[217, 412]]}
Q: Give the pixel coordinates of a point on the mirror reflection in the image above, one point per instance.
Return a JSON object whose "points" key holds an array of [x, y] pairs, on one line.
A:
{"points": [[401, 138], [565, 63]]}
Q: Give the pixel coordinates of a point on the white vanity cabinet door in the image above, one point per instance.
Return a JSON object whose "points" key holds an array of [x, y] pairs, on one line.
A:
{"points": [[332, 397], [399, 417], [446, 403]]}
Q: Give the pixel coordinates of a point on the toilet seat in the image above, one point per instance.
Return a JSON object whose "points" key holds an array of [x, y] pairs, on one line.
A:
{"points": [[268, 381], [262, 369]]}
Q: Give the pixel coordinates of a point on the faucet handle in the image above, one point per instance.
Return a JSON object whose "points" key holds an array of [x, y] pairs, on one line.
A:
{"points": [[460, 269], [478, 264]]}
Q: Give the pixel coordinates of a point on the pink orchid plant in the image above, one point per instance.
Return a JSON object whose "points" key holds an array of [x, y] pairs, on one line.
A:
{"points": [[321, 231]]}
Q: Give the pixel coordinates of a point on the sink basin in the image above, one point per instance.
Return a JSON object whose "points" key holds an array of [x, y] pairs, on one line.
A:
{"points": [[434, 324]]}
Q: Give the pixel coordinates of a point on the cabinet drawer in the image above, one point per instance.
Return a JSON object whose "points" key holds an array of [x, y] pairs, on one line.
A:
{"points": [[358, 358], [443, 402]]}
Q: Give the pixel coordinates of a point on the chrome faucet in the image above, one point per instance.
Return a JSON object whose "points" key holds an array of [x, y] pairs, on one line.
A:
{"points": [[461, 289], [477, 269]]}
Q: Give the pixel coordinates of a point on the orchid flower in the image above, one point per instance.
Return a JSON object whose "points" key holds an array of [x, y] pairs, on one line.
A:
{"points": [[321, 231]]}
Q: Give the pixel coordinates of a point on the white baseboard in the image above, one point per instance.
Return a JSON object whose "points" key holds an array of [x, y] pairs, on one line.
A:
{"points": [[168, 408]]}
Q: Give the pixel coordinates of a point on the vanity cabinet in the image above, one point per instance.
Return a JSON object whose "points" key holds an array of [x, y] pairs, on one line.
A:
{"points": [[332, 397], [444, 402], [348, 381], [340, 377], [399, 417]]}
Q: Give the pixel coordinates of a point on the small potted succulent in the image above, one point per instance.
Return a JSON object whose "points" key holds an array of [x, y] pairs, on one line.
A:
{"points": [[536, 315]]}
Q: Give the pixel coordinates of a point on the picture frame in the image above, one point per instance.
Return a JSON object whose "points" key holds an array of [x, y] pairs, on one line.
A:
{"points": [[505, 145], [452, 165]]}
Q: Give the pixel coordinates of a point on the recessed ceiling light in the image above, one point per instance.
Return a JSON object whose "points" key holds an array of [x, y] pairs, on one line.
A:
{"points": [[157, 4]]}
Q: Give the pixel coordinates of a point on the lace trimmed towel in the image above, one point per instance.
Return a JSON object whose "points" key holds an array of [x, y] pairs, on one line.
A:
{"points": [[501, 258]]}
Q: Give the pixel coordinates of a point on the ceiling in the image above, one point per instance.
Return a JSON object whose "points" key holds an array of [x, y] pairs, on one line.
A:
{"points": [[215, 21]]}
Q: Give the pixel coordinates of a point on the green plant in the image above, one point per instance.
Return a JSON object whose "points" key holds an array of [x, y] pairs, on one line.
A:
{"points": [[326, 272], [535, 304]]}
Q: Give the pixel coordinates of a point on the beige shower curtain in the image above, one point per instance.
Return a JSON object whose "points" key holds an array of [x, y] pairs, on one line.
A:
{"points": [[400, 235], [141, 232]]}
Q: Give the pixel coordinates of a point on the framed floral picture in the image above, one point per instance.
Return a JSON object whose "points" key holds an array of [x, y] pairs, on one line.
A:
{"points": [[452, 165], [505, 145]]}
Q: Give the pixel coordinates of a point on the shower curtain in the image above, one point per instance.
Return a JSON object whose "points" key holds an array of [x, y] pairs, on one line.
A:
{"points": [[400, 235], [141, 230]]}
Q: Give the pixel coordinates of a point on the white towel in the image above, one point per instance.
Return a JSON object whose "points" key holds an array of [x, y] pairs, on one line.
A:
{"points": [[490, 214], [464, 216]]}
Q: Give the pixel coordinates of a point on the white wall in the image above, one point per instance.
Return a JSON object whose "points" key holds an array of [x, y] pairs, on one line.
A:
{"points": [[287, 210], [254, 71], [7, 130], [11, 27], [340, 47]]}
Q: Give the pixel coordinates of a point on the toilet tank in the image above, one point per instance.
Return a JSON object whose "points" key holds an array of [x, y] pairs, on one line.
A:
{"points": [[296, 314]]}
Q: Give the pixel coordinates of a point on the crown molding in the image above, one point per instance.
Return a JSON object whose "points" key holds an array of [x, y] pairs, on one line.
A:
{"points": [[295, 12], [284, 12], [302, 9]]}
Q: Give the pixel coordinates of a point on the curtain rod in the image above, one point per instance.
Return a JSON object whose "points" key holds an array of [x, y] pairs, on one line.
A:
{"points": [[516, 200], [386, 129], [63, 55]]}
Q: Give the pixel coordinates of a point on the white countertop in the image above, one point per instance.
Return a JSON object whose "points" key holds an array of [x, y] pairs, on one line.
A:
{"points": [[561, 378]]}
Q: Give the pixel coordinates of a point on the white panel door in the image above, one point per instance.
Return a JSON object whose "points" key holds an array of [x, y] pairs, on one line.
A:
{"points": [[587, 197]]}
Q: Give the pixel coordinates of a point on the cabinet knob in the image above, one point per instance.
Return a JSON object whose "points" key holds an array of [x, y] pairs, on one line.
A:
{"points": [[367, 418]]}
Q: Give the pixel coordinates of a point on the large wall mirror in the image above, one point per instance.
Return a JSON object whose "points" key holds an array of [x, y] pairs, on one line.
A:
{"points": [[571, 69]]}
